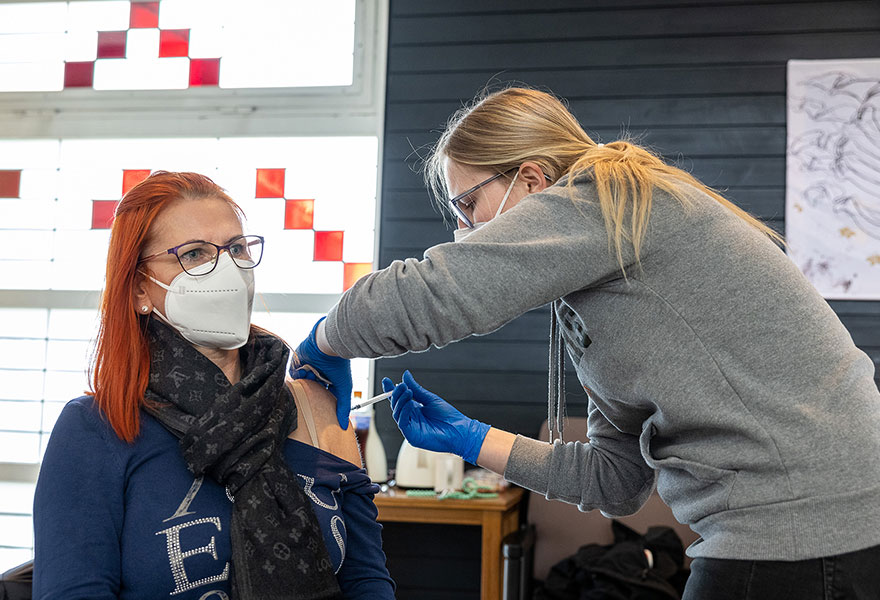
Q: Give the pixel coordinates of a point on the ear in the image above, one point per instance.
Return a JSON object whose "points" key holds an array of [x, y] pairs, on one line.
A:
{"points": [[532, 175], [140, 296]]}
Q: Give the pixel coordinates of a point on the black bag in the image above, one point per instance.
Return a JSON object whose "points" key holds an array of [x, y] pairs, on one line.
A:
{"points": [[620, 571], [17, 583]]}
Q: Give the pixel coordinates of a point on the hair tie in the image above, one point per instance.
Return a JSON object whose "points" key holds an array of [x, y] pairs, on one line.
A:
{"points": [[599, 145]]}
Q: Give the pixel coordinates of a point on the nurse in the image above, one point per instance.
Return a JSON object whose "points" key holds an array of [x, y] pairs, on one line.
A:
{"points": [[713, 369]]}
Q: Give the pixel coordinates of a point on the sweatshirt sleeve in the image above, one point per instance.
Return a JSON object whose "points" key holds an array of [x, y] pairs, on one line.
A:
{"points": [[78, 512], [548, 245], [363, 575], [607, 473]]}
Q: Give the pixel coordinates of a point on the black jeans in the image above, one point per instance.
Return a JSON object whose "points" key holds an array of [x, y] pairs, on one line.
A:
{"points": [[851, 576]]}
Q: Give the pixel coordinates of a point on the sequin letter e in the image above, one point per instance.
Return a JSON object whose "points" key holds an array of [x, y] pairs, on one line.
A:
{"points": [[177, 556]]}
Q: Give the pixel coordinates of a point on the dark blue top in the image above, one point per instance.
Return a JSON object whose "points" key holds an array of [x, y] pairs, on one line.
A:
{"points": [[130, 522]]}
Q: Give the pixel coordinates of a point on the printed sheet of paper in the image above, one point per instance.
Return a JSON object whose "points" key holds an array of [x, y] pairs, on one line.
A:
{"points": [[832, 216]]}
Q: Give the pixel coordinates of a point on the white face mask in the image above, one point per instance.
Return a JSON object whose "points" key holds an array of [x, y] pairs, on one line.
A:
{"points": [[212, 310], [460, 234]]}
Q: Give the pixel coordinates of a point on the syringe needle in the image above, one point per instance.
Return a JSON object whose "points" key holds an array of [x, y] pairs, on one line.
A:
{"points": [[372, 401]]}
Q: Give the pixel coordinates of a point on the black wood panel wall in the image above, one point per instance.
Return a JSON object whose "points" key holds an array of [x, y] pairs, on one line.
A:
{"points": [[702, 82]]}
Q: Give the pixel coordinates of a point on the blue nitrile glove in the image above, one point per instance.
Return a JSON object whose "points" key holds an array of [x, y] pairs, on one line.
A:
{"points": [[333, 371], [427, 421]]}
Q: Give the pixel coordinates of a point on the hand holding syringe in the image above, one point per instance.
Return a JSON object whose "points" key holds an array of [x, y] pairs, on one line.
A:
{"points": [[372, 401]]}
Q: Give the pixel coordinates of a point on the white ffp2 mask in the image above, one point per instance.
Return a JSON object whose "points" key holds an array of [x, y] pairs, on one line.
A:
{"points": [[212, 310], [460, 234]]}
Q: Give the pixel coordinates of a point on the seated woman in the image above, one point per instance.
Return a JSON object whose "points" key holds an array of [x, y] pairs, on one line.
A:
{"points": [[197, 469]]}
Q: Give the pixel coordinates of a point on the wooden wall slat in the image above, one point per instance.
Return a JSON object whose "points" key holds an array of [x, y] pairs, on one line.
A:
{"points": [[646, 113], [702, 51], [855, 307], [627, 22], [401, 10], [607, 83]]}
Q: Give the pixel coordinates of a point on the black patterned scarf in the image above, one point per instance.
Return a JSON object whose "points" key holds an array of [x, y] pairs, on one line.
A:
{"points": [[234, 434]]}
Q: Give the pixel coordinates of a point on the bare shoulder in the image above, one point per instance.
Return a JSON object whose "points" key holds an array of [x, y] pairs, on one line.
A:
{"points": [[331, 436]]}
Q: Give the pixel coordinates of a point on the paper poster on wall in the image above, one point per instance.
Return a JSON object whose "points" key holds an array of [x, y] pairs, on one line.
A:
{"points": [[832, 214]]}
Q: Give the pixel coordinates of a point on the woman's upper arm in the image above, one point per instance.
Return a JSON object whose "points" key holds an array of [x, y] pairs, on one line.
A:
{"points": [[331, 437], [78, 512]]}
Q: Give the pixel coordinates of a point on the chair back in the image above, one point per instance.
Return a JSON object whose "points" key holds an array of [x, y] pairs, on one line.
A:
{"points": [[561, 528], [17, 583]]}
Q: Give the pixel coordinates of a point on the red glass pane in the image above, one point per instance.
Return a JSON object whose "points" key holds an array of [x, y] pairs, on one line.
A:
{"points": [[111, 44], [270, 183], [299, 214], [102, 213], [204, 71], [79, 74], [173, 42], [328, 245], [132, 177], [10, 184], [352, 272], [144, 14]]}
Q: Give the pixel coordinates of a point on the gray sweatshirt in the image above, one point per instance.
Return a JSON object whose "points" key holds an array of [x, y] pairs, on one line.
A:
{"points": [[715, 369]]}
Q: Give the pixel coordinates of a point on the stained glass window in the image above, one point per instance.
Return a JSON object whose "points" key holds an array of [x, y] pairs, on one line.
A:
{"points": [[57, 200], [175, 44]]}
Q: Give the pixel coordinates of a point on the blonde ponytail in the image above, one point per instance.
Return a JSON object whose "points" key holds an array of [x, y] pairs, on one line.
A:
{"points": [[504, 129]]}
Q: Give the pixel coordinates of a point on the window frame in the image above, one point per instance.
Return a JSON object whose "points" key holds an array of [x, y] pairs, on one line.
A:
{"points": [[214, 111]]}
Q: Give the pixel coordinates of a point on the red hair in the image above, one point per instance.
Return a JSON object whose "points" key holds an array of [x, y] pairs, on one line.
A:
{"points": [[120, 366]]}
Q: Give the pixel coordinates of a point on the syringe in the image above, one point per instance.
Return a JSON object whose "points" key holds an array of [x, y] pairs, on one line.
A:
{"points": [[372, 401]]}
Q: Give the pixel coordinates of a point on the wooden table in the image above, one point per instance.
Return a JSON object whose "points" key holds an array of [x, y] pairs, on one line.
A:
{"points": [[496, 516]]}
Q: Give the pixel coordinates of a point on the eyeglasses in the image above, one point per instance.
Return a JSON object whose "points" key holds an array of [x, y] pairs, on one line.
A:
{"points": [[458, 207], [200, 258]]}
